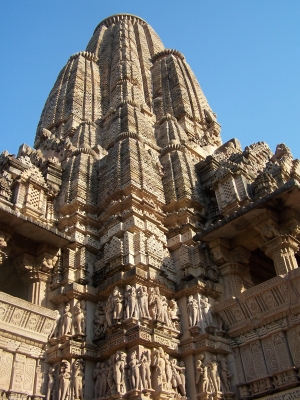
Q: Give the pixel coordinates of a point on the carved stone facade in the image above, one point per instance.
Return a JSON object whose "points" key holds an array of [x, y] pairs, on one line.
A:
{"points": [[140, 257]]}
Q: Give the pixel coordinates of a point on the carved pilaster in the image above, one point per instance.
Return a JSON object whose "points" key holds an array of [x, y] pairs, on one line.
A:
{"points": [[231, 264], [282, 250], [232, 274]]}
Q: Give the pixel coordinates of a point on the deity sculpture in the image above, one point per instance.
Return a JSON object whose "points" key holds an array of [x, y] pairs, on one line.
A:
{"points": [[142, 296], [79, 322], [117, 305], [145, 369], [178, 376], [64, 380], [159, 363], [66, 325], [192, 310], [225, 374], [109, 310], [202, 379], [214, 374], [97, 377], [134, 371], [56, 328], [119, 371], [78, 374], [110, 376], [205, 311], [130, 302], [100, 322], [51, 382], [164, 311], [174, 314]]}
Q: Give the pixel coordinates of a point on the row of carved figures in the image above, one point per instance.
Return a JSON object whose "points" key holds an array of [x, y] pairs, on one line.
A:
{"points": [[142, 373], [135, 303], [142, 370], [212, 375], [68, 321], [60, 387]]}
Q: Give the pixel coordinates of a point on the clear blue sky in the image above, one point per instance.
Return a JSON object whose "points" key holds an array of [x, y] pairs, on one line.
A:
{"points": [[245, 54]]}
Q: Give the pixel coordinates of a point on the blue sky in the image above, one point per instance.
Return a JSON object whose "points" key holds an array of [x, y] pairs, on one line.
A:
{"points": [[245, 54]]}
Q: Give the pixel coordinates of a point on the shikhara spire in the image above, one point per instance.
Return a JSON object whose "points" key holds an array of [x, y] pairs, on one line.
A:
{"points": [[141, 258]]}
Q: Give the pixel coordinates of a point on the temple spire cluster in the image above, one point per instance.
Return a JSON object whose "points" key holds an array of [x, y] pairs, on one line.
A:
{"points": [[142, 258]]}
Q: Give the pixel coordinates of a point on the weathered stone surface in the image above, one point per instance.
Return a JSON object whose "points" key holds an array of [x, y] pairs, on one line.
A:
{"points": [[140, 257]]}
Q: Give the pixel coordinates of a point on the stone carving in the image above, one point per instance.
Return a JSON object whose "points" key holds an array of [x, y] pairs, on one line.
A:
{"points": [[114, 307], [192, 311], [51, 383], [206, 314], [125, 213], [202, 378], [142, 296], [130, 302], [100, 375], [66, 326], [119, 371], [57, 326], [178, 376], [100, 321], [225, 374], [64, 380], [79, 319], [213, 374], [145, 369], [78, 381], [134, 375], [174, 314]]}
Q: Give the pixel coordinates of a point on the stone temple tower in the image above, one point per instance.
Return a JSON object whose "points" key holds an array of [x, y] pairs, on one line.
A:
{"points": [[141, 258]]}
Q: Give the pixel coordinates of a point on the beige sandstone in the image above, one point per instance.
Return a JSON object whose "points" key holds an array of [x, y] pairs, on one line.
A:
{"points": [[140, 257]]}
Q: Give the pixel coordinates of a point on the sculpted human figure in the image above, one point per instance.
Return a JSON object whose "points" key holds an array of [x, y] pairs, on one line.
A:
{"points": [[130, 302], [117, 303], [83, 308], [145, 369], [100, 322], [205, 311], [142, 296], [51, 382], [78, 381], [109, 310], [182, 376], [214, 374], [79, 322], [56, 328], [199, 373], [152, 304], [110, 376], [164, 311], [119, 366], [192, 310], [174, 313], [64, 380], [160, 364], [158, 302], [169, 371], [67, 321], [97, 377], [178, 377], [134, 371], [225, 374]]}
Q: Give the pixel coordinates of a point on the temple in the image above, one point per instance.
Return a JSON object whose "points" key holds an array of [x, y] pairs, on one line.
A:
{"points": [[141, 258]]}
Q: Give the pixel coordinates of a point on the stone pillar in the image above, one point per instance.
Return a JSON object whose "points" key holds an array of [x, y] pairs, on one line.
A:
{"points": [[232, 274], [5, 235], [231, 263], [282, 250]]}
